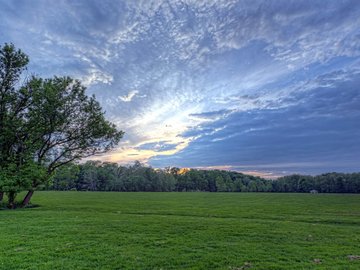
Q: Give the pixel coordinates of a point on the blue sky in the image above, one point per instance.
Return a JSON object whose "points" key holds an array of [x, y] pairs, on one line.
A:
{"points": [[267, 87]]}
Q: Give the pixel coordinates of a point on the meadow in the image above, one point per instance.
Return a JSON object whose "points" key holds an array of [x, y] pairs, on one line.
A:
{"points": [[233, 231]]}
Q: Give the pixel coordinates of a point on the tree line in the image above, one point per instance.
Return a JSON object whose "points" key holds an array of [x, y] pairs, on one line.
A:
{"points": [[106, 176]]}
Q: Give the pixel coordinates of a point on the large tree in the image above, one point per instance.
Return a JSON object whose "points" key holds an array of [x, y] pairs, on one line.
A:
{"points": [[12, 107], [45, 124]]}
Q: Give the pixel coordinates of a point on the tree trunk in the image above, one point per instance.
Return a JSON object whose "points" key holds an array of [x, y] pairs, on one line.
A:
{"points": [[11, 200], [27, 198], [1, 195]]}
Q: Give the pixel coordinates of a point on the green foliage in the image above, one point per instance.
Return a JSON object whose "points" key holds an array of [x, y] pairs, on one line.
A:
{"points": [[67, 125], [325, 183], [220, 184], [66, 177], [45, 124], [14, 179], [226, 231], [12, 139], [98, 176]]}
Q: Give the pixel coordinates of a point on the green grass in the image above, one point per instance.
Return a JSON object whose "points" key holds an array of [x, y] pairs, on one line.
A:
{"points": [[83, 230]]}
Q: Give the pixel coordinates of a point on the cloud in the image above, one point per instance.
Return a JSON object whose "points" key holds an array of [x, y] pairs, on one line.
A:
{"points": [[158, 146], [317, 134], [218, 76], [95, 76], [129, 96]]}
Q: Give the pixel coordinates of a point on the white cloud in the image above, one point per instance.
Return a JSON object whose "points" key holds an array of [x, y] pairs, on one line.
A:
{"points": [[129, 96], [96, 76], [187, 57]]}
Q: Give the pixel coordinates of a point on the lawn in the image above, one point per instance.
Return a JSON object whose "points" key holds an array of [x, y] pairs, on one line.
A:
{"points": [[84, 230]]}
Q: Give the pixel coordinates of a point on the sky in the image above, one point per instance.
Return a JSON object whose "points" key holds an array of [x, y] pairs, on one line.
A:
{"points": [[262, 87]]}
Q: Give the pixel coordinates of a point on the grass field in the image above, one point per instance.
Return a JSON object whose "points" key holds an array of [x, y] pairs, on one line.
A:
{"points": [[83, 230]]}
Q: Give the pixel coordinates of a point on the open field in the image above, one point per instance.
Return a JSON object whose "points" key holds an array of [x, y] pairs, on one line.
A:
{"points": [[83, 230]]}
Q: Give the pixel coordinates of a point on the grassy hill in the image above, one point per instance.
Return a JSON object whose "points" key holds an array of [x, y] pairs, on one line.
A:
{"points": [[84, 230]]}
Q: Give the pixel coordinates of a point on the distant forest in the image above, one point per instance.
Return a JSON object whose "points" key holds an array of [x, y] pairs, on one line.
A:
{"points": [[98, 176]]}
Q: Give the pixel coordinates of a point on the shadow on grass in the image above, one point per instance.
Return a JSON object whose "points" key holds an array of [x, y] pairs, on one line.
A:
{"points": [[3, 206]]}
